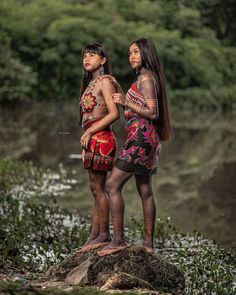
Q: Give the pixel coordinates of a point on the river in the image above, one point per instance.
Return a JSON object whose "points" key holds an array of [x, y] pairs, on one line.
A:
{"points": [[195, 184]]}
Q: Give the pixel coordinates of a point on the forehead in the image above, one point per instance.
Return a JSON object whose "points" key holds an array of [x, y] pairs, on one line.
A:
{"points": [[89, 51], [133, 47]]}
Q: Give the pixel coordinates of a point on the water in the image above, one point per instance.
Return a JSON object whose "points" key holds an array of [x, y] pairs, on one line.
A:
{"points": [[195, 185]]}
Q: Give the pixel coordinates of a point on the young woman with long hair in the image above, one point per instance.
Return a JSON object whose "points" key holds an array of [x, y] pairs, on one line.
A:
{"points": [[147, 124], [98, 111]]}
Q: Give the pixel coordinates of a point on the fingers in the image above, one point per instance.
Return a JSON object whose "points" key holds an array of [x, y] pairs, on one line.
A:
{"points": [[84, 143], [118, 98], [116, 94]]}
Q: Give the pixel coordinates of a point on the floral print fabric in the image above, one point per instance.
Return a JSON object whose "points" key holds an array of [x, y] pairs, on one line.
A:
{"points": [[100, 154], [140, 153]]}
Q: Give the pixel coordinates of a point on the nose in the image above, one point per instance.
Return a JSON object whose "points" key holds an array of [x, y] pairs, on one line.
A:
{"points": [[86, 59], [131, 57]]}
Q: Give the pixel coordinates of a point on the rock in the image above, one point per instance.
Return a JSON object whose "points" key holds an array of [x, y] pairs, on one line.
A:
{"points": [[125, 281], [130, 268], [79, 274]]}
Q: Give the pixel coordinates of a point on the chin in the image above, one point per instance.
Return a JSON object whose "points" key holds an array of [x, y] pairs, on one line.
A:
{"points": [[134, 67]]}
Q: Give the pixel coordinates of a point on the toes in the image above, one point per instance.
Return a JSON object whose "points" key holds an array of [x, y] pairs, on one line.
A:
{"points": [[110, 250]]}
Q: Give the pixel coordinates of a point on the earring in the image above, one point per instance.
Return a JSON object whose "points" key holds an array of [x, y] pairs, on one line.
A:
{"points": [[101, 70], [137, 72]]}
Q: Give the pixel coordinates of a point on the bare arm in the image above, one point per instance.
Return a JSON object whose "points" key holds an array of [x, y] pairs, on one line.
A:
{"points": [[150, 110], [107, 89]]}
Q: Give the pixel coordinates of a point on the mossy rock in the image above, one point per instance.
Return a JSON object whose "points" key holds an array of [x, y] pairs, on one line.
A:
{"points": [[128, 269]]}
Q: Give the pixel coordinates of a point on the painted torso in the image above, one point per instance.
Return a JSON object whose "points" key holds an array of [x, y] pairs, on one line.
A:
{"points": [[92, 103]]}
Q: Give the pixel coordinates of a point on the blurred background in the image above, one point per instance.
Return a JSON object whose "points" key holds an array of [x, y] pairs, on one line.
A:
{"points": [[40, 73]]}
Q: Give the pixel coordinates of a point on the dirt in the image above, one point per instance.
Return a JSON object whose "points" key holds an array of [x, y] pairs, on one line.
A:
{"points": [[130, 268]]}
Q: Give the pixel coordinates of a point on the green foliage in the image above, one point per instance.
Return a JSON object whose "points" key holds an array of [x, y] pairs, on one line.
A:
{"points": [[42, 42], [215, 98], [17, 79], [207, 268], [35, 234], [9, 287]]}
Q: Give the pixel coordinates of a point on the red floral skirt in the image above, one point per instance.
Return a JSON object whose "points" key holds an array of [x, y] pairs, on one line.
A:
{"points": [[100, 154]]}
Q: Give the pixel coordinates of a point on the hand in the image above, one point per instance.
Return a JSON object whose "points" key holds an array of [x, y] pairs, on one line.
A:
{"points": [[119, 98], [85, 139]]}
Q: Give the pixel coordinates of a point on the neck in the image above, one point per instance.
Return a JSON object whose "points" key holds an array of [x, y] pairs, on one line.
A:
{"points": [[143, 70], [96, 74]]}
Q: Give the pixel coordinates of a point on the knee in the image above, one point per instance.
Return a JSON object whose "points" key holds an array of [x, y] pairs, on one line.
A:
{"points": [[145, 194], [110, 187], [95, 189]]}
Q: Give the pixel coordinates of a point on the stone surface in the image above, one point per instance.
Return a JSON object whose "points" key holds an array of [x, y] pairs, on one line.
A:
{"points": [[79, 274]]}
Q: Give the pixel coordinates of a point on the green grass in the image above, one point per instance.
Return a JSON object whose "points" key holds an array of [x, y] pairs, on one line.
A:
{"points": [[36, 234]]}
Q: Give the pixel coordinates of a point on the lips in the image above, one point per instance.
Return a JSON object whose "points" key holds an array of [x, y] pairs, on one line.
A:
{"points": [[86, 65]]}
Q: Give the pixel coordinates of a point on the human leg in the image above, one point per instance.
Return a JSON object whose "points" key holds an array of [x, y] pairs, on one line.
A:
{"points": [[97, 186], [144, 186], [100, 234], [114, 185]]}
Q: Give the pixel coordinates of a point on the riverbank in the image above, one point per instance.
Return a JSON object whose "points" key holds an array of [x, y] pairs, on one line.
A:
{"points": [[37, 234]]}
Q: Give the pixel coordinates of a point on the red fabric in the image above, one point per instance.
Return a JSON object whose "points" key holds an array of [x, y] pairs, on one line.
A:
{"points": [[101, 151]]}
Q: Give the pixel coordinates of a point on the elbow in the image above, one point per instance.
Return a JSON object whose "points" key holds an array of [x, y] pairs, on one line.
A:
{"points": [[154, 116], [116, 116]]}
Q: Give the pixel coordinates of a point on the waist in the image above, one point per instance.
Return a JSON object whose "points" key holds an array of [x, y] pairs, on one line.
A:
{"points": [[136, 117], [90, 123]]}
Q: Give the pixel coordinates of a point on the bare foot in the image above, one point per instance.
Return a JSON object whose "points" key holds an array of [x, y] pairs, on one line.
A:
{"points": [[101, 240], [112, 248], [91, 247], [147, 248]]}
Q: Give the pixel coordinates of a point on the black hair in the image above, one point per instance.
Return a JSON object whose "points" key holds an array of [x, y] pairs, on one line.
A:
{"points": [[151, 61], [87, 76]]}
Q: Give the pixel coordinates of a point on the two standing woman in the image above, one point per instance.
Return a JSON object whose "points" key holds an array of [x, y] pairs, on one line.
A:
{"points": [[147, 124]]}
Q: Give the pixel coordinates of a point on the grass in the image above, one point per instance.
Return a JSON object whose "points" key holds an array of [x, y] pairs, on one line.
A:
{"points": [[36, 234]]}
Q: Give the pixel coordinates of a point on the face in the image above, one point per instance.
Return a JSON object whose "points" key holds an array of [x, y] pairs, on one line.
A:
{"points": [[92, 61], [135, 57]]}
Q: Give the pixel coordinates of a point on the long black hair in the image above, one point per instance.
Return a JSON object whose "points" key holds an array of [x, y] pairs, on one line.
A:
{"points": [[87, 76], [151, 61]]}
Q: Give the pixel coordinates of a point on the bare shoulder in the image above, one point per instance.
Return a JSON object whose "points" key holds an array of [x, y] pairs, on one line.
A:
{"points": [[146, 80], [106, 80], [146, 76]]}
